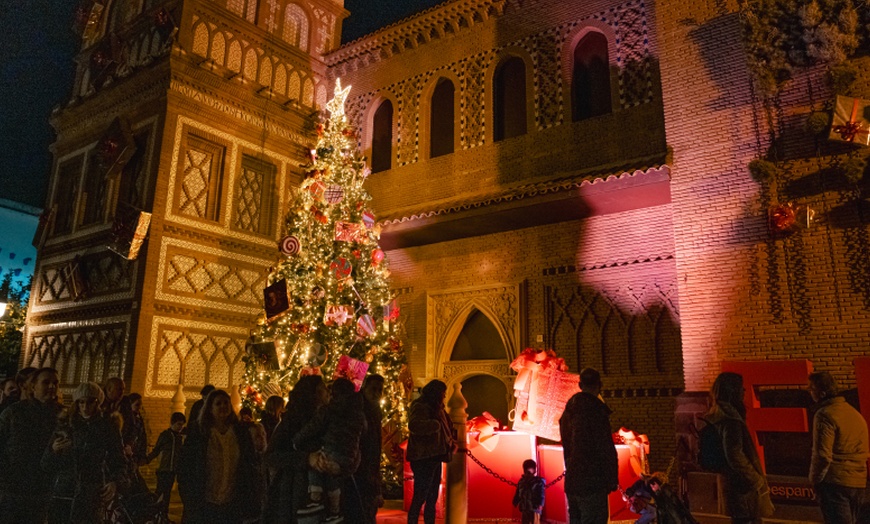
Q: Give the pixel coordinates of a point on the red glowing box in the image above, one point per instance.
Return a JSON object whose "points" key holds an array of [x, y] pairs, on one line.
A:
{"points": [[489, 497]]}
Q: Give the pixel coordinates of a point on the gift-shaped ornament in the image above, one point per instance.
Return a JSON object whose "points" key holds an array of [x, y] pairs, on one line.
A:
{"points": [[349, 232], [391, 311], [351, 369], [264, 353], [850, 121], [337, 315], [365, 326], [275, 299], [129, 230], [334, 194], [542, 400], [318, 190], [319, 215], [368, 219]]}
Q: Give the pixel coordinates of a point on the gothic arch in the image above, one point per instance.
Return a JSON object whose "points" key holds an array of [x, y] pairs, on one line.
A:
{"points": [[296, 26], [447, 314]]}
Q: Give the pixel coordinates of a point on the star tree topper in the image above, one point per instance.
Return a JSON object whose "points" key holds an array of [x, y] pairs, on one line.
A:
{"points": [[336, 105]]}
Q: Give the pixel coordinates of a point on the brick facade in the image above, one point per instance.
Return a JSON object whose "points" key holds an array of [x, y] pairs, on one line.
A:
{"points": [[634, 242]]}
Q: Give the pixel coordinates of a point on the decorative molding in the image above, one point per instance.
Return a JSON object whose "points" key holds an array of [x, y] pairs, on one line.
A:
{"points": [[456, 371], [238, 113], [188, 352], [205, 271], [447, 312], [93, 349], [233, 153]]}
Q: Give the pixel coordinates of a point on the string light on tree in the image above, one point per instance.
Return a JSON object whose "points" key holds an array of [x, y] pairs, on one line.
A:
{"points": [[329, 296]]}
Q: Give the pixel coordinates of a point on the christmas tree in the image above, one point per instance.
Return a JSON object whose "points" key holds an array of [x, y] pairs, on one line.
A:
{"points": [[328, 305]]}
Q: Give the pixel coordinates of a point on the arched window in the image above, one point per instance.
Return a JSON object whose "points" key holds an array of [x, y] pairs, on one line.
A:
{"points": [[591, 79], [509, 92], [246, 9], [296, 27], [382, 137], [441, 119]]}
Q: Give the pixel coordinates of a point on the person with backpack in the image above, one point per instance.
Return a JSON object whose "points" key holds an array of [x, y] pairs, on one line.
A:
{"points": [[727, 448], [838, 465]]}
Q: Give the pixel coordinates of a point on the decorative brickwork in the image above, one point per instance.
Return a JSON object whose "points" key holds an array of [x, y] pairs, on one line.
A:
{"points": [[90, 351]]}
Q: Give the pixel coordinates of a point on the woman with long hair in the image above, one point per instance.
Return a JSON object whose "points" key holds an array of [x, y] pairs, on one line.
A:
{"points": [[430, 444], [289, 485], [272, 413], [217, 477], [87, 459], [747, 494]]}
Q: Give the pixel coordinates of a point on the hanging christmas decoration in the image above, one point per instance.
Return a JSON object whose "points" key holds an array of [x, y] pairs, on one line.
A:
{"points": [[320, 297]]}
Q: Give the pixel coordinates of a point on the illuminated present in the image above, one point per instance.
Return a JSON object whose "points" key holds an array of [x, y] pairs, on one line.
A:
{"points": [[351, 369], [489, 497], [551, 464], [542, 400], [349, 232], [338, 315], [850, 122], [129, 230]]}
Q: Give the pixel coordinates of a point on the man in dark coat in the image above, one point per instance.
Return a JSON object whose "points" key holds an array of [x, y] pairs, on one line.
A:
{"points": [[26, 428], [590, 457]]}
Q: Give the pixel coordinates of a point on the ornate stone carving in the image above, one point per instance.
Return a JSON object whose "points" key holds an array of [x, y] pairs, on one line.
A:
{"points": [[447, 313]]}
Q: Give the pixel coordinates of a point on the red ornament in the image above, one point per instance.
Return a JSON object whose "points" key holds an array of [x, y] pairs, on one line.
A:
{"points": [[341, 268], [781, 218], [377, 257], [356, 253], [319, 129]]}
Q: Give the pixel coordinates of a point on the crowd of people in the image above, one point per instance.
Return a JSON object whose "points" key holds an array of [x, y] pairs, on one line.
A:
{"points": [[318, 456], [318, 459]]}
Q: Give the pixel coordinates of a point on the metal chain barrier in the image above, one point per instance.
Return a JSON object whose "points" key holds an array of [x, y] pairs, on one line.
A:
{"points": [[506, 481]]}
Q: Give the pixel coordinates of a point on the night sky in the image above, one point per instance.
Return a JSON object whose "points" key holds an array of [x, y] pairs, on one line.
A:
{"points": [[36, 74]]}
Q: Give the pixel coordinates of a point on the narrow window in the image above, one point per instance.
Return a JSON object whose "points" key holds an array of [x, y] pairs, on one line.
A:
{"points": [[382, 137], [199, 183], [591, 81], [296, 27], [68, 177], [255, 197], [509, 89], [441, 119]]}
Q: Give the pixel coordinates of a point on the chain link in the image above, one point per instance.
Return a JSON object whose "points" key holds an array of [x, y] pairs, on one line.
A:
{"points": [[506, 481]]}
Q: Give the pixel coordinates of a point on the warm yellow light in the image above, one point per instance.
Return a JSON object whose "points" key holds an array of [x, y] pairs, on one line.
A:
{"points": [[2, 308]]}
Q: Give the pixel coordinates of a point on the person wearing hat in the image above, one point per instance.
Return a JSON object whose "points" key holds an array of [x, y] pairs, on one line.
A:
{"points": [[87, 458]]}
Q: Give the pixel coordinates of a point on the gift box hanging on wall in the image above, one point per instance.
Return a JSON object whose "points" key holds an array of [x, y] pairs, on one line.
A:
{"points": [[129, 230], [850, 122], [116, 147]]}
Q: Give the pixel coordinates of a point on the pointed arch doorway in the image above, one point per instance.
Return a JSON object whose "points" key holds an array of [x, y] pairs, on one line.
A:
{"points": [[475, 334]]}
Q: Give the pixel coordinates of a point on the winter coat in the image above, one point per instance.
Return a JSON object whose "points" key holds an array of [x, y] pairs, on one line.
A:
{"points": [[26, 428], [745, 485], [431, 433], [590, 457], [336, 429], [840, 447], [134, 435], [193, 473], [529, 495], [269, 422], [290, 483], [168, 446], [80, 472]]}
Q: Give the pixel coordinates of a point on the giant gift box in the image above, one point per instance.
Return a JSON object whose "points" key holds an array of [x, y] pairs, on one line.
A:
{"points": [[488, 497], [491, 499], [542, 389]]}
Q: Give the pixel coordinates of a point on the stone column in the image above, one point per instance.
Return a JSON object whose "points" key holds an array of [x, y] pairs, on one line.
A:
{"points": [[178, 400], [457, 481]]}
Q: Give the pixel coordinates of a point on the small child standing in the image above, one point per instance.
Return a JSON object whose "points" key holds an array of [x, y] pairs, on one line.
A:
{"points": [[168, 446], [529, 497]]}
